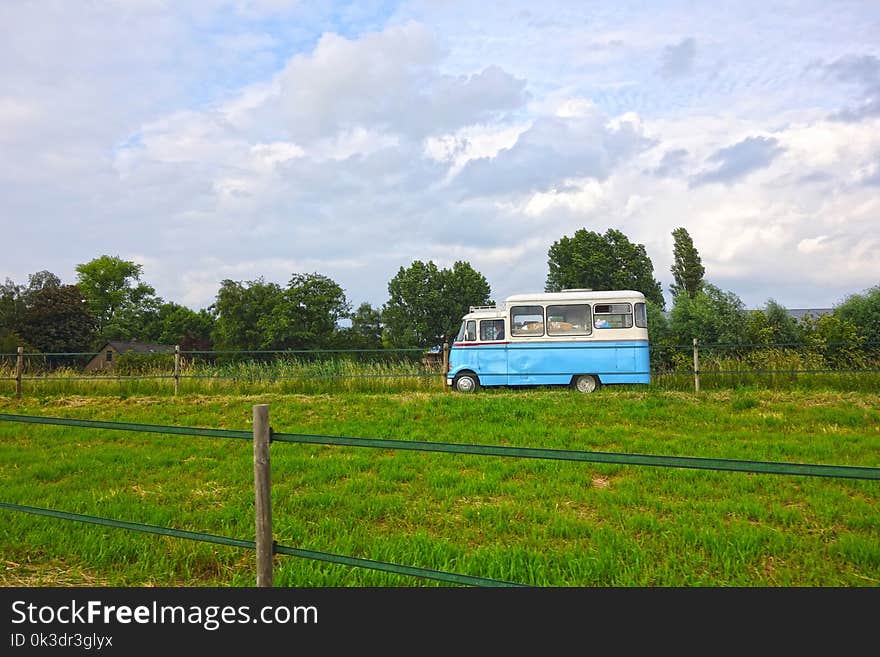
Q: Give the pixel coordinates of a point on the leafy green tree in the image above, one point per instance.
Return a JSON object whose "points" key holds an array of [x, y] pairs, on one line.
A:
{"points": [[58, 319], [863, 312], [14, 298], [463, 287], [602, 262], [10, 341], [658, 325], [41, 280], [712, 316], [14, 301], [12, 305], [365, 331], [116, 296], [772, 326], [238, 308], [414, 312], [308, 314], [260, 315], [426, 303], [838, 340], [687, 267], [175, 324], [662, 341]]}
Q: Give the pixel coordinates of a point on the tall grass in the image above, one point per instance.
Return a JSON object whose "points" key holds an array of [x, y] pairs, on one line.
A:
{"points": [[782, 368], [321, 372], [245, 377]]}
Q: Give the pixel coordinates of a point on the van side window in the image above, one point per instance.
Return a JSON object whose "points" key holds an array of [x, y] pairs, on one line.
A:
{"points": [[470, 331], [571, 319], [641, 315], [527, 320], [613, 315], [491, 329]]}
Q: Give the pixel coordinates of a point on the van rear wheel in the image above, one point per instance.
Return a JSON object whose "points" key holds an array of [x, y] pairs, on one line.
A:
{"points": [[585, 383], [466, 383]]}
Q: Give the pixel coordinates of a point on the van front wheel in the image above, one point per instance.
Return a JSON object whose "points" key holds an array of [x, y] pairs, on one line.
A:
{"points": [[585, 383], [466, 383]]}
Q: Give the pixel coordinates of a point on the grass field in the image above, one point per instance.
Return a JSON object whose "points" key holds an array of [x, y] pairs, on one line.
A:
{"points": [[545, 523], [399, 371]]}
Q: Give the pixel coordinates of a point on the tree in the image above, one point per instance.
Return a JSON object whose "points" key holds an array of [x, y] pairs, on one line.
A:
{"points": [[58, 319], [366, 328], [863, 312], [658, 325], [238, 308], [602, 262], [837, 339], [426, 303], [12, 306], [463, 287], [261, 315], [687, 268], [772, 326], [179, 325], [116, 297], [14, 301], [712, 316], [308, 314]]}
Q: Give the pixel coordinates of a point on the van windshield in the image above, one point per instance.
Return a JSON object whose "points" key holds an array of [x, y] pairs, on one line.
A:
{"points": [[468, 332]]}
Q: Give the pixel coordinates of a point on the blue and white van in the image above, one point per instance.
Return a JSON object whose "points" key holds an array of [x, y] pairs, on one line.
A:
{"points": [[578, 338]]}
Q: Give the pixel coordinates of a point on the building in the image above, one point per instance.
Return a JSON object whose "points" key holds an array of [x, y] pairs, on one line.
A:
{"points": [[812, 313], [106, 356], [795, 313]]}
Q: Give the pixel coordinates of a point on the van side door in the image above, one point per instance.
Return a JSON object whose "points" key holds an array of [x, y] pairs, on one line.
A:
{"points": [[493, 352]]}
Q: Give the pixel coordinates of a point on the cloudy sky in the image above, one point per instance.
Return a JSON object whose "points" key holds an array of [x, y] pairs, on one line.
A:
{"points": [[235, 139]]}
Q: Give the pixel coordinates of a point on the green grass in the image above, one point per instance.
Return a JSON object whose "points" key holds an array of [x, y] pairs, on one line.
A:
{"points": [[401, 371], [543, 523], [287, 375]]}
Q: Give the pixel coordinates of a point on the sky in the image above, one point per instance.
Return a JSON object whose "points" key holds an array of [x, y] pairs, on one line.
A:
{"points": [[243, 139]]}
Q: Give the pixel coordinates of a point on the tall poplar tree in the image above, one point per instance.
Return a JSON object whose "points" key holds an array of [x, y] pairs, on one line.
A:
{"points": [[687, 268]]}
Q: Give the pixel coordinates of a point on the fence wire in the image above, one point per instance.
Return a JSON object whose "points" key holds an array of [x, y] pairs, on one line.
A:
{"points": [[749, 466], [618, 458], [413, 571]]}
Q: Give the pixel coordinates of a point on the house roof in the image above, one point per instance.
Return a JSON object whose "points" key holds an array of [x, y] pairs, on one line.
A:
{"points": [[139, 347], [795, 313], [800, 313]]}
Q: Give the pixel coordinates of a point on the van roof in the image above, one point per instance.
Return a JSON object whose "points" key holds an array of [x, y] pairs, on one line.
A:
{"points": [[571, 295]]}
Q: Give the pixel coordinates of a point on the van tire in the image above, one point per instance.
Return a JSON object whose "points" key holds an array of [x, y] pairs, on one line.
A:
{"points": [[466, 382], [585, 383]]}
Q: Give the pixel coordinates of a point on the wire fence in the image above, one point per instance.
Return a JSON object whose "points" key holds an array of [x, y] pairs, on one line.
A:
{"points": [[847, 365], [262, 435]]}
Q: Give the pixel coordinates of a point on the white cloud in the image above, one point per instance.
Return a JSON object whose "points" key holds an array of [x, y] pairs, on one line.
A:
{"points": [[732, 163], [387, 81], [574, 198], [234, 140], [813, 245], [552, 150]]}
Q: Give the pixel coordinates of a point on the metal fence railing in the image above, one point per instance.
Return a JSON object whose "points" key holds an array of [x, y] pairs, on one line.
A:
{"points": [[682, 366], [262, 435]]}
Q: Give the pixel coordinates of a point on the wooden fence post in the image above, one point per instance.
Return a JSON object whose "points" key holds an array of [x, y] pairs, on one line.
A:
{"points": [[263, 495], [696, 367], [19, 367], [176, 369]]}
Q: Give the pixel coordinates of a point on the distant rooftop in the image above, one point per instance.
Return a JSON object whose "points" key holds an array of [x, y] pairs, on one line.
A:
{"points": [[800, 313], [141, 347], [796, 313]]}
